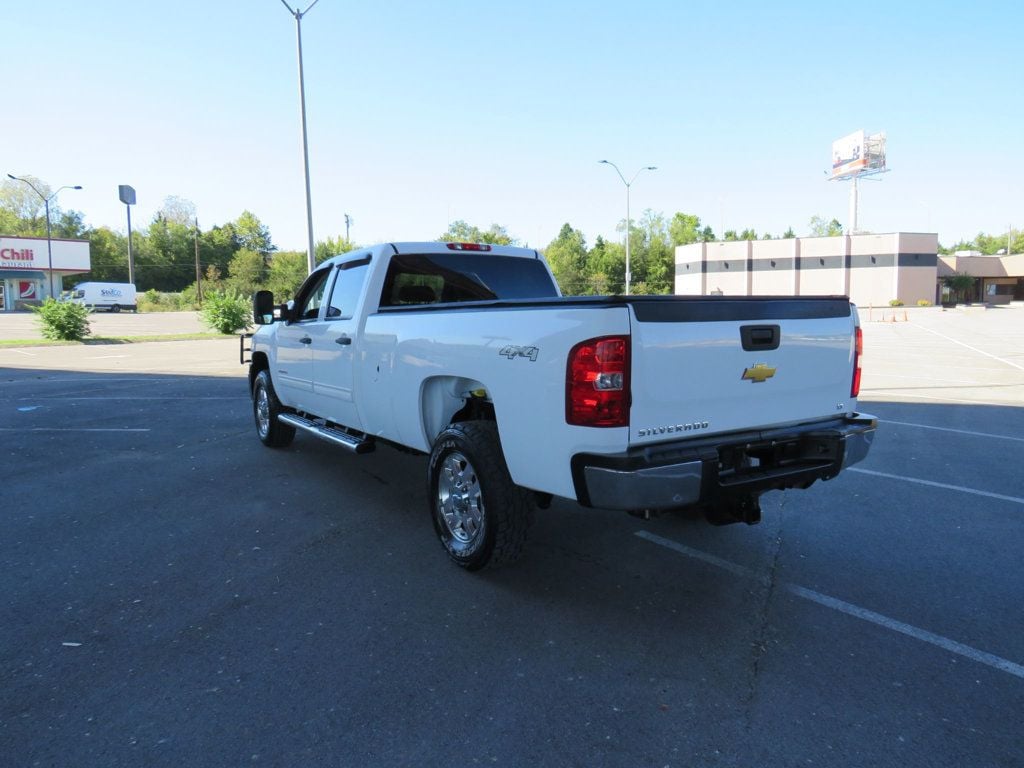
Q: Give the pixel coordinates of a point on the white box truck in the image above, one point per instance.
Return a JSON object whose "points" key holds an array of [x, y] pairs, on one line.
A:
{"points": [[112, 297]]}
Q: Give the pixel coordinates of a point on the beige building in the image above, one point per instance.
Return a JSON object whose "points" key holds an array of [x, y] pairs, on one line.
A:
{"points": [[870, 269], [997, 279]]}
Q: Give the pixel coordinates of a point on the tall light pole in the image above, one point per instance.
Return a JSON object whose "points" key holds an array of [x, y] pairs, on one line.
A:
{"points": [[46, 202], [298, 14], [628, 184], [126, 194]]}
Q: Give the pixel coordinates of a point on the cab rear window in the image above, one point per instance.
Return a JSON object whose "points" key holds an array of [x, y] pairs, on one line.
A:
{"points": [[461, 277]]}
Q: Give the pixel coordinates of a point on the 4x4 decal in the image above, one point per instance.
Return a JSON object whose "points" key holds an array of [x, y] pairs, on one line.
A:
{"points": [[512, 352]]}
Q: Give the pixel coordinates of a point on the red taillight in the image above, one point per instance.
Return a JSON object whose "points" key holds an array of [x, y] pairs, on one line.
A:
{"points": [[597, 383], [858, 349], [468, 247]]}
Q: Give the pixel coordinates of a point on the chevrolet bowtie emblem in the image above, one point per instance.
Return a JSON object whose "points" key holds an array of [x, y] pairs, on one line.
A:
{"points": [[759, 374]]}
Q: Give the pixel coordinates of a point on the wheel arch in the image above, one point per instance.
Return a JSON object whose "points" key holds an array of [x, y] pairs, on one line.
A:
{"points": [[448, 399], [260, 362]]}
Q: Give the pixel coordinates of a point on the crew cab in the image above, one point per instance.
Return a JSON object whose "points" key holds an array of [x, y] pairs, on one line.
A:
{"points": [[468, 353]]}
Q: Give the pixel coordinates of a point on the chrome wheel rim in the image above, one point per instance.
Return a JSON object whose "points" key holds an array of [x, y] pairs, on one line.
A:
{"points": [[262, 411], [460, 498]]}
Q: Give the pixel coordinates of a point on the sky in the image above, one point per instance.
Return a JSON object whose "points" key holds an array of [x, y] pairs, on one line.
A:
{"points": [[420, 114]]}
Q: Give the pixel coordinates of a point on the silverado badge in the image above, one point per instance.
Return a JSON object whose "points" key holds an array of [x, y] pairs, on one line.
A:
{"points": [[759, 373]]}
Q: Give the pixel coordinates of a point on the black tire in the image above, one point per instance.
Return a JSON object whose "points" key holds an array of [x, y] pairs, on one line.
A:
{"points": [[115, 308], [480, 515], [265, 410]]}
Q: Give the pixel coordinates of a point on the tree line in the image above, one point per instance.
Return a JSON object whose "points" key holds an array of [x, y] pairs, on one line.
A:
{"points": [[240, 256]]}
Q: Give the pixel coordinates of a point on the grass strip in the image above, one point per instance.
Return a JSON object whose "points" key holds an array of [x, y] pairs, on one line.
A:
{"points": [[103, 340]]}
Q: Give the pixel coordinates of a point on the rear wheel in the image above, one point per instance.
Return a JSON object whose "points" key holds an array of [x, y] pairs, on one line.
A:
{"points": [[266, 408], [479, 514], [115, 308]]}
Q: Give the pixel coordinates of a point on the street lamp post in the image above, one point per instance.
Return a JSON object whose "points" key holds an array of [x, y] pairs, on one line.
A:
{"points": [[46, 202], [628, 185], [298, 14]]}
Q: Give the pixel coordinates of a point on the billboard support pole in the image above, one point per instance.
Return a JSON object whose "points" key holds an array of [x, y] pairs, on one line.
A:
{"points": [[853, 208]]}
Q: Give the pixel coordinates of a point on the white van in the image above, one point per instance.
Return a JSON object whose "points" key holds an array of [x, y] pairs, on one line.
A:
{"points": [[112, 297]]}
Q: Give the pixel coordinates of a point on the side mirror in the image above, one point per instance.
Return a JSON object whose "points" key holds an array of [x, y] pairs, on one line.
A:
{"points": [[263, 307]]}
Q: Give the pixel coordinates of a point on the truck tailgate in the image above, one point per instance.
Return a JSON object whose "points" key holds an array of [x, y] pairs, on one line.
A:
{"points": [[705, 366]]}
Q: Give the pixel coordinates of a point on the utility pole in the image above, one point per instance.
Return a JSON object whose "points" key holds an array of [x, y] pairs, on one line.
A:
{"points": [[199, 274], [348, 222]]}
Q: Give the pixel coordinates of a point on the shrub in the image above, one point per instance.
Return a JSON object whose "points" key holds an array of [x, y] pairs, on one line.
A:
{"points": [[63, 320], [149, 301], [895, 303], [923, 303], [226, 312], [188, 298], [155, 301]]}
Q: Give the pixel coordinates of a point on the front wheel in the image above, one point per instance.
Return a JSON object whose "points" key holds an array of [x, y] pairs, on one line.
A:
{"points": [[266, 408], [479, 514], [115, 308]]}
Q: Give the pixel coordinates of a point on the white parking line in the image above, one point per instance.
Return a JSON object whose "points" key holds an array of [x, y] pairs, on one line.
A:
{"points": [[957, 431], [73, 429], [968, 346], [933, 484], [148, 397], [988, 659], [950, 400]]}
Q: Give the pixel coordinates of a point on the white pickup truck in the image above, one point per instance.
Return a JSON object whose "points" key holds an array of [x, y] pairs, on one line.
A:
{"points": [[469, 353]]}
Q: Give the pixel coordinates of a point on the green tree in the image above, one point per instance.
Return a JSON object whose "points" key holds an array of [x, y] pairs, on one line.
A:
{"points": [[461, 232], [684, 229], [217, 247], [567, 255], [707, 235], [655, 266], [285, 274], [246, 273], [730, 235], [165, 253], [108, 258], [251, 234], [332, 246], [22, 213], [748, 234], [789, 234], [606, 268], [821, 228], [961, 284]]}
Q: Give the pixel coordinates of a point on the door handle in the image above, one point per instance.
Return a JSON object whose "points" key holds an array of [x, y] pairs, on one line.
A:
{"points": [[343, 340], [305, 340]]}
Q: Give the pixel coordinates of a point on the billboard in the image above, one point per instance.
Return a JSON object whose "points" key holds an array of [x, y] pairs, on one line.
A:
{"points": [[857, 154], [848, 155]]}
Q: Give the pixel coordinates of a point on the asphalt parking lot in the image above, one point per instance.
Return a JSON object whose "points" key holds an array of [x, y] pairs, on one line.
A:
{"points": [[176, 594]]}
